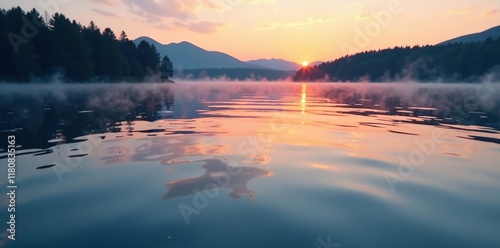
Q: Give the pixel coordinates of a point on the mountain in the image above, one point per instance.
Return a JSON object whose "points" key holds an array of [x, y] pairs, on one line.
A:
{"points": [[280, 64], [477, 37], [234, 74], [276, 64], [456, 62], [185, 55]]}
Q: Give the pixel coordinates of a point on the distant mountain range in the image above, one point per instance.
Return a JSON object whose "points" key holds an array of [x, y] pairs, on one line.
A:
{"points": [[280, 64], [276, 64], [186, 56], [477, 37], [234, 74]]}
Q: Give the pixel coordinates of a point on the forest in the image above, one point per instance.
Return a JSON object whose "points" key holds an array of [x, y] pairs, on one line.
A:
{"points": [[239, 74], [456, 62], [35, 48]]}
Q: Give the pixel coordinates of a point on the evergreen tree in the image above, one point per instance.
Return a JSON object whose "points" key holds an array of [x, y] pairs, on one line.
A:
{"points": [[451, 62], [149, 57], [166, 67], [92, 35], [58, 44], [123, 37], [26, 61], [155, 58], [136, 69], [41, 41], [130, 51], [4, 44], [13, 23], [69, 50], [110, 61]]}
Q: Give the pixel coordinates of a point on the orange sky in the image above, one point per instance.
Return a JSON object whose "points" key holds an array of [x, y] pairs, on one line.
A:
{"points": [[290, 29]]}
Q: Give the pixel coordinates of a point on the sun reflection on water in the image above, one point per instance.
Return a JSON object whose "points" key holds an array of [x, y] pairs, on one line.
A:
{"points": [[303, 100]]}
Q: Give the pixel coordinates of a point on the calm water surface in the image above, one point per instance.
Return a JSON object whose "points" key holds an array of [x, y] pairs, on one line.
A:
{"points": [[253, 165]]}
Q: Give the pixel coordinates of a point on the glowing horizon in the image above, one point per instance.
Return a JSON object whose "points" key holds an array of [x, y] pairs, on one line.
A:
{"points": [[290, 30]]}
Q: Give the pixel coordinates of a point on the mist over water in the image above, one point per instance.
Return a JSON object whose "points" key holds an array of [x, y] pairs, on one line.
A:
{"points": [[255, 164]]}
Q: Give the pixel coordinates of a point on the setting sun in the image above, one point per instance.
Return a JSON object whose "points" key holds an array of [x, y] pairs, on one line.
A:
{"points": [[305, 63]]}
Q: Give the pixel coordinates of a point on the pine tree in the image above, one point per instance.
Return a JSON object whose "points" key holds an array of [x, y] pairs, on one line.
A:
{"points": [[123, 37], [41, 41], [69, 50], [26, 61], [110, 61], [166, 68], [4, 43], [149, 57]]}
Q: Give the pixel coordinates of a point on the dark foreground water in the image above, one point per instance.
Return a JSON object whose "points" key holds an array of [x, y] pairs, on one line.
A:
{"points": [[252, 165]]}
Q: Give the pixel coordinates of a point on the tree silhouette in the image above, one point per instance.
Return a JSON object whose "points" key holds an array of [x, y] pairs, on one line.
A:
{"points": [[40, 46], [451, 62], [166, 68], [148, 57], [26, 61], [69, 50], [111, 62], [123, 37]]}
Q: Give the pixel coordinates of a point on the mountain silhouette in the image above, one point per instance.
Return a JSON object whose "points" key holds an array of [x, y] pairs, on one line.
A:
{"points": [[276, 64], [477, 37], [185, 55]]}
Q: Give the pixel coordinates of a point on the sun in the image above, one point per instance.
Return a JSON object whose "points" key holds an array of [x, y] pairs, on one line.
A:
{"points": [[305, 63]]}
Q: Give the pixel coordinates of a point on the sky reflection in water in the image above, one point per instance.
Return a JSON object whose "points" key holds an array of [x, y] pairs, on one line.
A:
{"points": [[164, 166]]}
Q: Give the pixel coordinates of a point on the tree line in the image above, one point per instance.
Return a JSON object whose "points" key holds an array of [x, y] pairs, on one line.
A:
{"points": [[32, 46], [450, 62], [234, 74]]}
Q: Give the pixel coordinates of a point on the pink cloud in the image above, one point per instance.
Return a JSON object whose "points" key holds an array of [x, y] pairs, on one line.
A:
{"points": [[460, 11], [168, 14], [105, 13], [200, 27], [107, 2], [175, 9], [491, 12]]}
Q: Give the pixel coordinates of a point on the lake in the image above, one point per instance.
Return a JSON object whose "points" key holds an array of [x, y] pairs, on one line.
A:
{"points": [[254, 164]]}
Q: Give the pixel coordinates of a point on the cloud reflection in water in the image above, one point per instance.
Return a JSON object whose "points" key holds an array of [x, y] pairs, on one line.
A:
{"points": [[217, 174]]}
